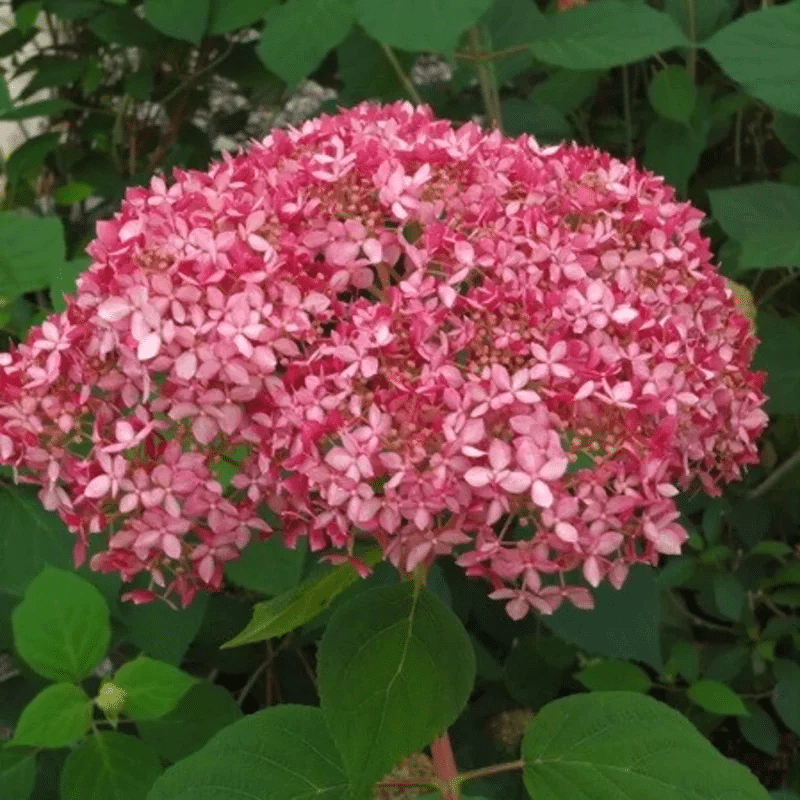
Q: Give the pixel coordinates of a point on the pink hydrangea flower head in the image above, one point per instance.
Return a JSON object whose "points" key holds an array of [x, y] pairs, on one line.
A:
{"points": [[383, 327]]}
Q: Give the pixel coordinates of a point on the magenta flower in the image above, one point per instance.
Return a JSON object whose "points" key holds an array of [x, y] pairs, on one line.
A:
{"points": [[382, 327]]}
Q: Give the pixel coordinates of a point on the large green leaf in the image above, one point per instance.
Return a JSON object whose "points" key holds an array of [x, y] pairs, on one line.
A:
{"points": [[777, 354], [17, 774], [180, 19], [508, 23], [672, 93], [151, 687], [30, 537], [298, 606], [755, 208], [433, 25], [61, 627], [30, 155], [673, 151], [31, 248], [38, 108], [162, 632], [228, 15], [281, 753], [111, 766], [700, 20], [268, 566], [604, 34], [58, 716], [614, 676], [786, 694], [395, 668], [716, 697], [297, 35], [609, 745], [759, 50], [203, 711], [623, 624]]}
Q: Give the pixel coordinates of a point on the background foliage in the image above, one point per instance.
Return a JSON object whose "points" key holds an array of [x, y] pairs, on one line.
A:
{"points": [[704, 92]]}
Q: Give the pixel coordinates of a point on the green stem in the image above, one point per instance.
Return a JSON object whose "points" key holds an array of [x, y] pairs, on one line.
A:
{"points": [[411, 90], [775, 476], [494, 769], [486, 79]]}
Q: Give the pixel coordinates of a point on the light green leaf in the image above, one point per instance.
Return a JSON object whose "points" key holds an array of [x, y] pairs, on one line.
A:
{"points": [[28, 157], [72, 192], [717, 698], [623, 624], [203, 711], [759, 50], [63, 280], [111, 766], [615, 675], [673, 94], [385, 652], [774, 248], [61, 627], [30, 537], [180, 19], [293, 609], [608, 745], [297, 35], [152, 688], [604, 34], [38, 108], [30, 249], [58, 716], [283, 753], [432, 25], [229, 15]]}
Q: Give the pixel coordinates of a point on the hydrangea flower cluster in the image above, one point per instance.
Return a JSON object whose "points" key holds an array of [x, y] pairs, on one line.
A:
{"points": [[379, 326]]}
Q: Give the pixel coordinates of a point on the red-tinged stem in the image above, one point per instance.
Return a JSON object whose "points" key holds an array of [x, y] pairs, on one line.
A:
{"points": [[444, 767]]}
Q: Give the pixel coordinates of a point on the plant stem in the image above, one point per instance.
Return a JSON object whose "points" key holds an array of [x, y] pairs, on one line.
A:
{"points": [[775, 476], [444, 767], [494, 769], [486, 80], [411, 90]]}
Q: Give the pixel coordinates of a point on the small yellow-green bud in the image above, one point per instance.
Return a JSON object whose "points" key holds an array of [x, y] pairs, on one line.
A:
{"points": [[111, 698]]}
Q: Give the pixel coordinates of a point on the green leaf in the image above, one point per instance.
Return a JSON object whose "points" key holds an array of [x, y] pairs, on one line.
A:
{"points": [[615, 676], [750, 210], [761, 731], [547, 124], [162, 632], [298, 35], [293, 609], [776, 248], [229, 15], [38, 108], [30, 247], [777, 354], [729, 595], [392, 650], [58, 716], [509, 23], [623, 624], [30, 537], [72, 192], [759, 51], [52, 71], [63, 280], [17, 774], [787, 129], [536, 669], [61, 627], [124, 27], [26, 14], [111, 766], [673, 94], [284, 753], [684, 659], [28, 157], [268, 566], [717, 698], [152, 688], [180, 19], [203, 711], [700, 20], [786, 694], [608, 745], [605, 34], [432, 25], [366, 72], [566, 89], [673, 151]]}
